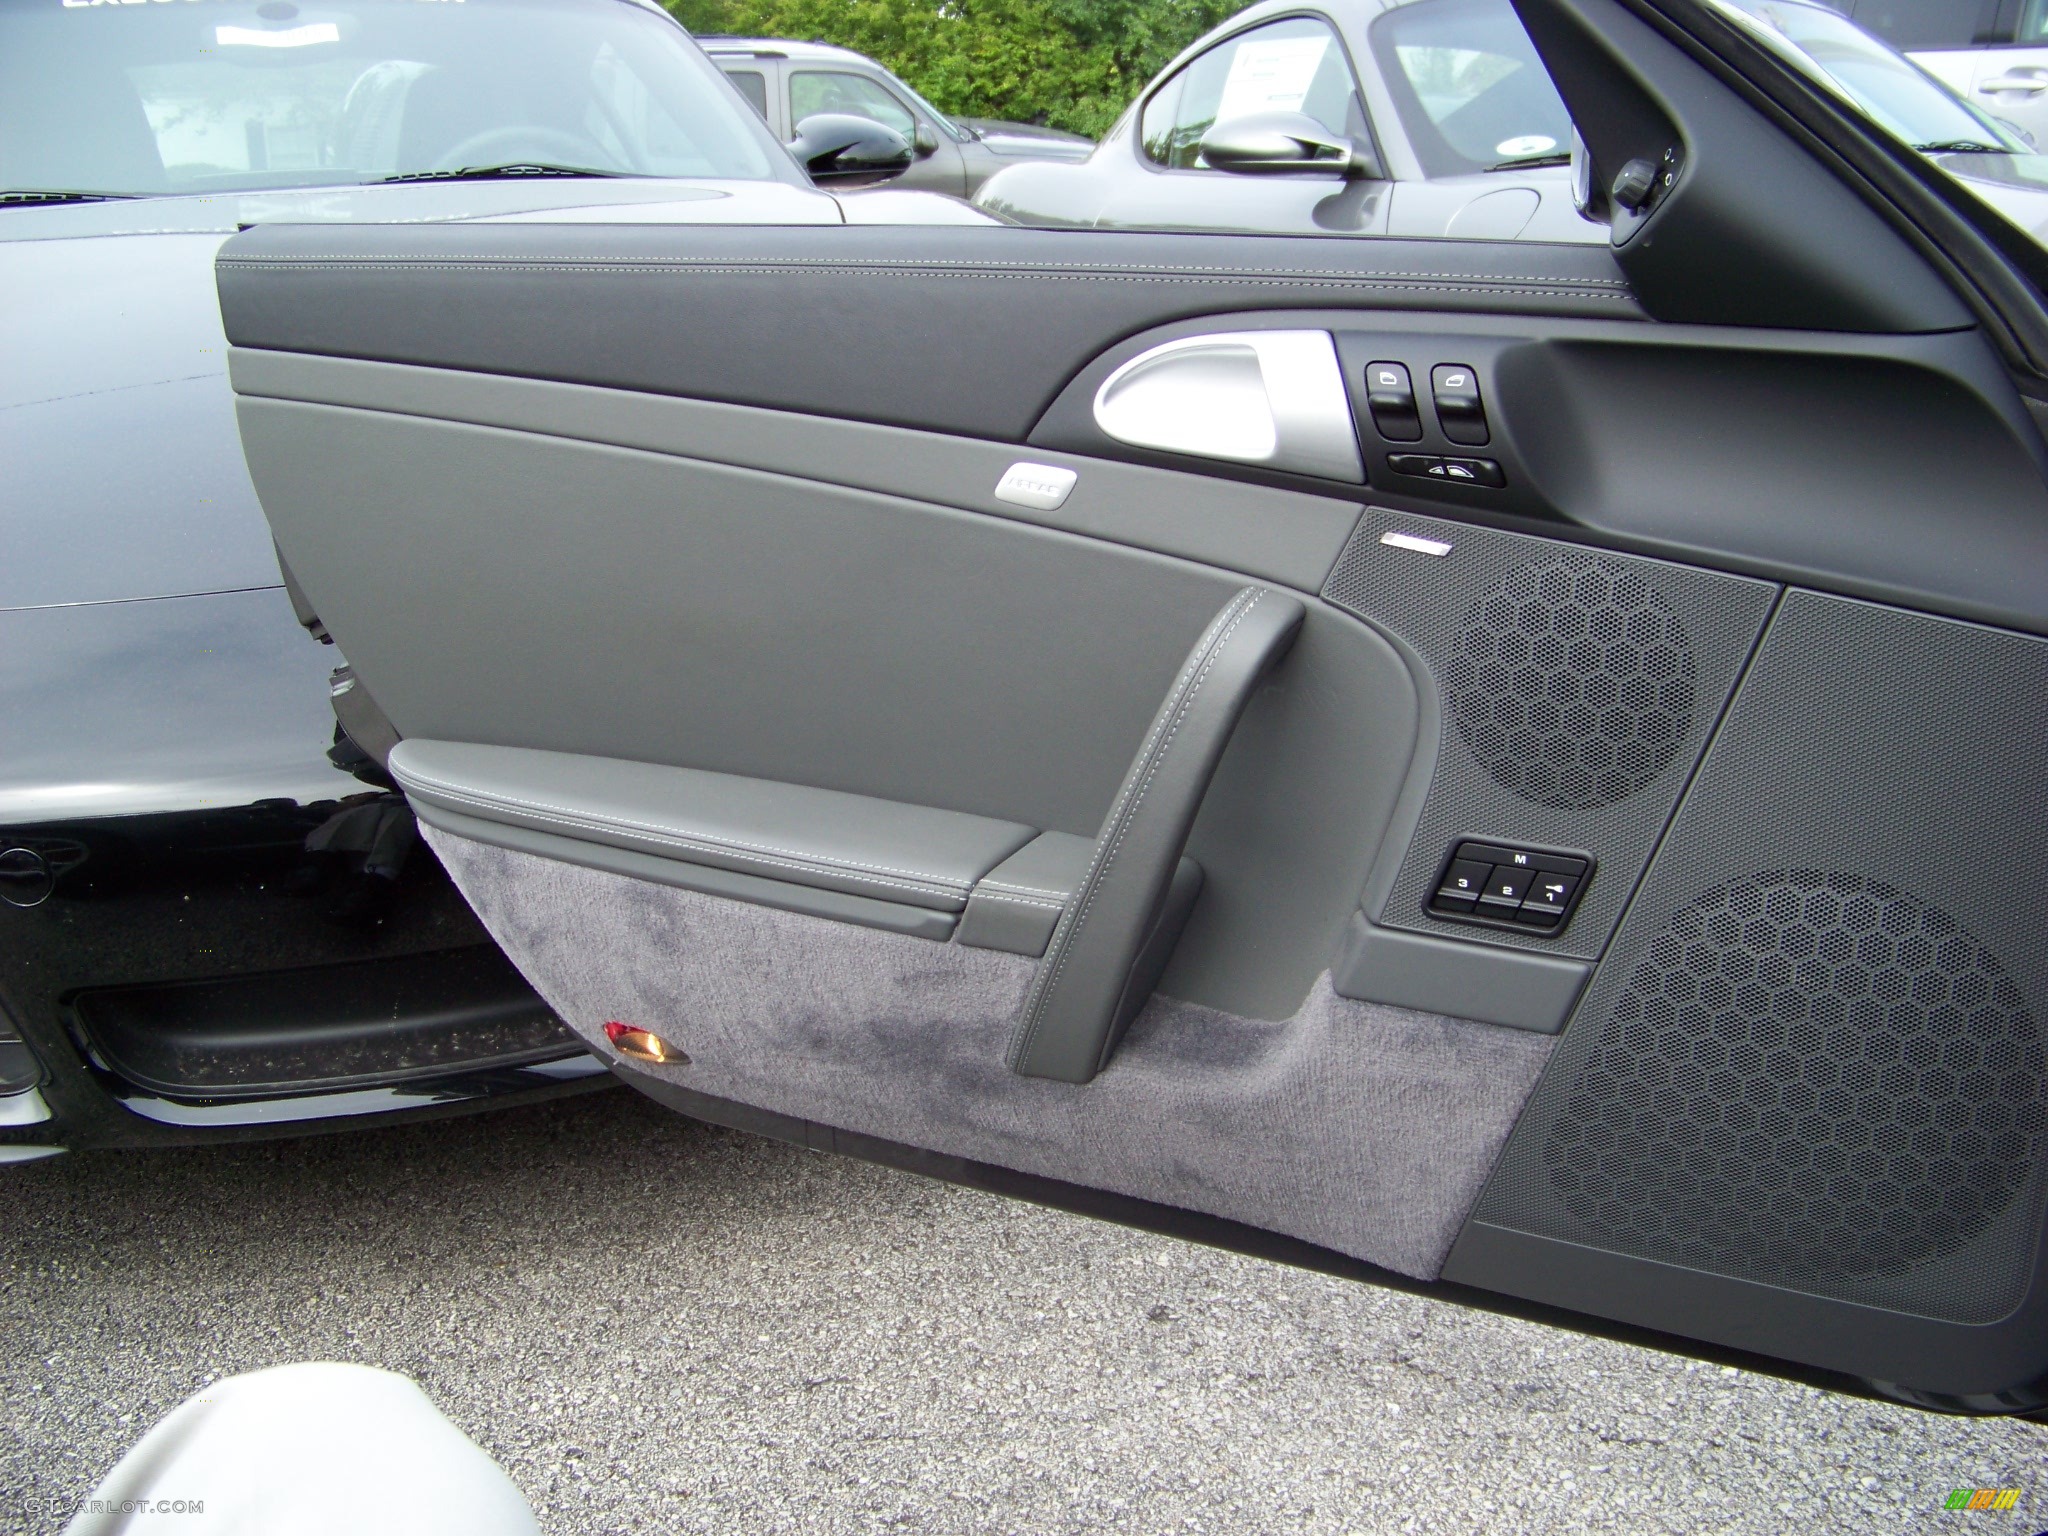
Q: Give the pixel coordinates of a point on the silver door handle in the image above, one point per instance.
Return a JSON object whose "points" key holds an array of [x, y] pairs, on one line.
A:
{"points": [[1274, 398], [2031, 85]]}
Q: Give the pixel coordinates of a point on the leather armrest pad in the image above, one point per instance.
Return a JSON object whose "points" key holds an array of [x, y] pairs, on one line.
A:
{"points": [[883, 849]]}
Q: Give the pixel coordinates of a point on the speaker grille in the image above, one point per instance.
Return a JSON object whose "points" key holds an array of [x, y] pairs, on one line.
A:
{"points": [[1813, 1056], [1807, 1076], [1572, 690], [1573, 682]]}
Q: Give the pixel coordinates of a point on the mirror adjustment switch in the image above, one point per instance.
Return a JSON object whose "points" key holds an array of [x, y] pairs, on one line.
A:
{"points": [[1455, 389], [1390, 396]]}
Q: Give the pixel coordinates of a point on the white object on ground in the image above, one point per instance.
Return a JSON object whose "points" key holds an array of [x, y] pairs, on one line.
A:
{"points": [[316, 1449]]}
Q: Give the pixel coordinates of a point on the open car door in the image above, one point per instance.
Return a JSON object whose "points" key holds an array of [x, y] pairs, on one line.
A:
{"points": [[1523, 767]]}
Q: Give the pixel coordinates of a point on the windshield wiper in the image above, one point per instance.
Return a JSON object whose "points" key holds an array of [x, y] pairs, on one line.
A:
{"points": [[25, 198], [1532, 162], [510, 171], [1961, 147]]}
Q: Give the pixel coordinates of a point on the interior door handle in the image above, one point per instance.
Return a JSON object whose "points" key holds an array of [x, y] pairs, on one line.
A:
{"points": [[2031, 85], [1275, 398], [1120, 924]]}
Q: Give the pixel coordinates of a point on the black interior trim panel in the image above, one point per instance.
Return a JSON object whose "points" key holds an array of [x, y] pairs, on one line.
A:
{"points": [[1901, 468], [949, 330]]}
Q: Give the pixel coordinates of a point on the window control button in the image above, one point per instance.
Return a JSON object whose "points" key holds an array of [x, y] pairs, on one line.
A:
{"points": [[1462, 883], [1455, 388], [1390, 396]]}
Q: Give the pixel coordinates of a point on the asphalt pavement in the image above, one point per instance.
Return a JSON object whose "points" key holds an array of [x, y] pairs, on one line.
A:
{"points": [[658, 1326]]}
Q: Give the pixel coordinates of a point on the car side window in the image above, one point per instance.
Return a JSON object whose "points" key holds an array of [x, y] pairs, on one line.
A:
{"points": [[1933, 23], [753, 85], [1469, 86], [815, 90], [1296, 65]]}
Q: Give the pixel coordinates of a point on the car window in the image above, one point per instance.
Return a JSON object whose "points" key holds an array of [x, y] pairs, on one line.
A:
{"points": [[1296, 65], [1469, 86], [2033, 22], [1928, 23], [233, 96], [753, 85], [816, 90], [1886, 87]]}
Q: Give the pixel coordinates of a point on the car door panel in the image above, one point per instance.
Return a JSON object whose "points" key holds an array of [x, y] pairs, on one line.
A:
{"points": [[546, 505]]}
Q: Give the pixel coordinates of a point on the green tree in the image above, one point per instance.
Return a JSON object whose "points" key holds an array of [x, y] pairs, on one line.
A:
{"points": [[1071, 64]]}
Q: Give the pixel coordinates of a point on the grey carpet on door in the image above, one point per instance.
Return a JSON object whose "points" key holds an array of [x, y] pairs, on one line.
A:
{"points": [[1363, 1128]]}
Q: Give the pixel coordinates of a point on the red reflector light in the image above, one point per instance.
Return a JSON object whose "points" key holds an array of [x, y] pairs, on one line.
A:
{"points": [[643, 1045]]}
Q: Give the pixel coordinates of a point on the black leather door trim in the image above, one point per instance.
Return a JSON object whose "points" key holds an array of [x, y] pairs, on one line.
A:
{"points": [[945, 329]]}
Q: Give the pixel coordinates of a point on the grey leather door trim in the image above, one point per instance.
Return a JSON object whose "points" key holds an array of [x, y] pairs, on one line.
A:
{"points": [[1282, 536], [908, 854], [1464, 980], [741, 314], [783, 895], [1093, 978]]}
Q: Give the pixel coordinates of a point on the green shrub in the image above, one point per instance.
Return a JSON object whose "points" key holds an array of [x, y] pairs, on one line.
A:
{"points": [[1071, 64]]}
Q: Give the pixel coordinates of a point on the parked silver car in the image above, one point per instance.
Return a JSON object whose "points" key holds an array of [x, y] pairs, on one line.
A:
{"points": [[1992, 53], [790, 81], [1373, 117]]}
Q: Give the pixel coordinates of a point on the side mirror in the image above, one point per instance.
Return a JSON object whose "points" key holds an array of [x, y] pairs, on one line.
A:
{"points": [[1582, 179], [926, 142], [1283, 144], [839, 149]]}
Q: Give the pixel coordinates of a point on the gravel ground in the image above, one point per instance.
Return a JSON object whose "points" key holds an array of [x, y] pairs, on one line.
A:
{"points": [[654, 1325]]}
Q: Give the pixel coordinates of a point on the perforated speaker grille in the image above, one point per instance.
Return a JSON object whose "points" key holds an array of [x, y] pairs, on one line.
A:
{"points": [[1573, 682], [1807, 1077], [1813, 1056], [1572, 690]]}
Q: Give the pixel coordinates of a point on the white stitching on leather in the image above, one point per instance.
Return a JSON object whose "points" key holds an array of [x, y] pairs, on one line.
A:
{"points": [[1028, 890], [677, 838], [765, 265], [983, 894], [1152, 754]]}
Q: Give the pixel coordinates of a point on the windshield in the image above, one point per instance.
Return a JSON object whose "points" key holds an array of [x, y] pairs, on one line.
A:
{"points": [[230, 95], [1884, 85]]}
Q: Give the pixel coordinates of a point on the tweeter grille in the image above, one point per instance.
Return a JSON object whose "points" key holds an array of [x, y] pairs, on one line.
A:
{"points": [[1573, 682], [1808, 1077]]}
